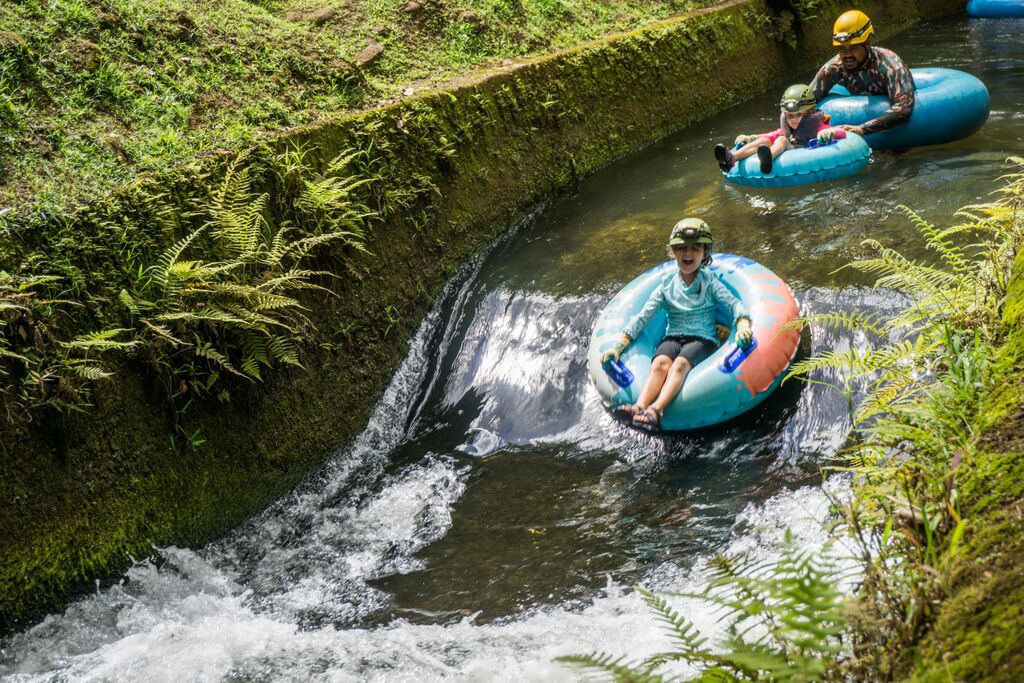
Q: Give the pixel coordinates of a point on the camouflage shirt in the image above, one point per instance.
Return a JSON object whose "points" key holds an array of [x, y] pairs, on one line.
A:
{"points": [[883, 73]]}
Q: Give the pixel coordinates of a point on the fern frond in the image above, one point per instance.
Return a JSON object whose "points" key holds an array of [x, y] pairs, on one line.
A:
{"points": [[163, 333], [884, 396], [128, 302], [161, 271], [618, 669], [92, 373], [283, 350], [852, 321], [254, 354], [938, 241], [206, 314], [687, 637], [208, 351], [101, 341]]}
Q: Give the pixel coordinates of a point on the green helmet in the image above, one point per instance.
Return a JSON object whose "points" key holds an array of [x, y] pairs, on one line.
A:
{"points": [[692, 230], [798, 97]]}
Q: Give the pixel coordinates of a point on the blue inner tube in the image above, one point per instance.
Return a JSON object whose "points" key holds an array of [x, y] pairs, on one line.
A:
{"points": [[727, 383], [995, 9], [949, 105], [802, 166]]}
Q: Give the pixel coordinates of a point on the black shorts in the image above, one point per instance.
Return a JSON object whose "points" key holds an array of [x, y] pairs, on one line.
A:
{"points": [[693, 349]]}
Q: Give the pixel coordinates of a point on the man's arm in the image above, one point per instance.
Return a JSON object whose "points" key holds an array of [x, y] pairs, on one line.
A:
{"points": [[900, 88]]}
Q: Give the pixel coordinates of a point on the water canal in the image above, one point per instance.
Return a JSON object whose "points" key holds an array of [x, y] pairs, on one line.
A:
{"points": [[492, 516]]}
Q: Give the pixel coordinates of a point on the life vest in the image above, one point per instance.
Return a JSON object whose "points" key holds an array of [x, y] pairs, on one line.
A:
{"points": [[807, 130]]}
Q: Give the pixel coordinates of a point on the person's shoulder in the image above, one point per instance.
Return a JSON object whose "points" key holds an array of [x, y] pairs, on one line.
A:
{"points": [[886, 55], [834, 63], [666, 280], [706, 278]]}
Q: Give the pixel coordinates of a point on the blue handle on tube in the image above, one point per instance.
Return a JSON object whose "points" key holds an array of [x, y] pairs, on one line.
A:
{"points": [[737, 356], [619, 373]]}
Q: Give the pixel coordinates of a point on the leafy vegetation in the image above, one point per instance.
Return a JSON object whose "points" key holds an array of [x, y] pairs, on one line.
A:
{"points": [[223, 299], [93, 92], [783, 623], [921, 459]]}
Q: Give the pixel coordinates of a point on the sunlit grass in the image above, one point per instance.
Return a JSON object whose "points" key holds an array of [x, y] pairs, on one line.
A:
{"points": [[167, 80]]}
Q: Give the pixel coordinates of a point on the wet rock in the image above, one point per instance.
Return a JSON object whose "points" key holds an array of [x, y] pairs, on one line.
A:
{"points": [[413, 7], [316, 16], [369, 54], [381, 30]]}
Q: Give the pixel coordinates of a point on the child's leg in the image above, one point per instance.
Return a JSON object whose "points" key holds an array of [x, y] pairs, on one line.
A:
{"points": [[780, 145], [660, 367], [750, 148], [673, 382], [690, 353]]}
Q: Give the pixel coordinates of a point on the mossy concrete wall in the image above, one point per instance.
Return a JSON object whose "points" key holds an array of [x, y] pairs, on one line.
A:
{"points": [[82, 494], [978, 633]]}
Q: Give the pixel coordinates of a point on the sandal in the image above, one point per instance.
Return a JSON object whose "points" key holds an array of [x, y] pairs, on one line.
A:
{"points": [[626, 411], [649, 419]]}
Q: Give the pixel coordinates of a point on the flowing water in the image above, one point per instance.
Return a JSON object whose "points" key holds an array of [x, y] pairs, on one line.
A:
{"points": [[492, 516]]}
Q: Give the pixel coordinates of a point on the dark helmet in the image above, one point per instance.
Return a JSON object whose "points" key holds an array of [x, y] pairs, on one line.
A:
{"points": [[798, 97]]}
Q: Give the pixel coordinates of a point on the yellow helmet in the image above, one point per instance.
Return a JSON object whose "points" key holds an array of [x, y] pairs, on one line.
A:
{"points": [[852, 28]]}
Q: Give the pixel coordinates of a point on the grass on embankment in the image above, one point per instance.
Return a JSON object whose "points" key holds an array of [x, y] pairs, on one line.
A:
{"points": [[93, 92]]}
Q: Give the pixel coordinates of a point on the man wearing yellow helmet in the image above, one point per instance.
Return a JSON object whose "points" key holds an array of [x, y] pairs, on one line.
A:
{"points": [[866, 70]]}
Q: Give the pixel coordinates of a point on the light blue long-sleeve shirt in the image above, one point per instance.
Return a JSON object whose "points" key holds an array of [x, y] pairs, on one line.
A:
{"points": [[690, 309]]}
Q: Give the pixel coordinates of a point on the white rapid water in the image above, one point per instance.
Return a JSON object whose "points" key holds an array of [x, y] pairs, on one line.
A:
{"points": [[290, 595], [189, 620]]}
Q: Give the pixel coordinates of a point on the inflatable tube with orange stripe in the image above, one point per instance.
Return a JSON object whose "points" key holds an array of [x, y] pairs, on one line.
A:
{"points": [[717, 389]]}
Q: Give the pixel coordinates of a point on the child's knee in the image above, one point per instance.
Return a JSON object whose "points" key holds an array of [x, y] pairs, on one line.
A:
{"points": [[661, 363], [681, 364]]}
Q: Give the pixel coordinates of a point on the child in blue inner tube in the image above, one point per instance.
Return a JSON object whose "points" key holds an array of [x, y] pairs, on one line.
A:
{"points": [[689, 297], [799, 123]]}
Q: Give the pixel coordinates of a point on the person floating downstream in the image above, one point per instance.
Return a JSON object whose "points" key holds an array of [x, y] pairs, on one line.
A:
{"points": [[866, 70], [689, 297], [799, 123]]}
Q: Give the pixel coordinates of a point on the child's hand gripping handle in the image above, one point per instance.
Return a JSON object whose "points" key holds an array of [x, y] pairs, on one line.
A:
{"points": [[737, 356], [618, 371]]}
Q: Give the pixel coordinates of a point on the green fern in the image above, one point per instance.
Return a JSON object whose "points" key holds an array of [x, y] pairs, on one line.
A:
{"points": [[615, 669], [783, 623], [846, 320]]}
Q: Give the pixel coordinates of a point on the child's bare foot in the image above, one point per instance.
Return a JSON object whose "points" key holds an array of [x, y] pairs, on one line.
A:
{"points": [[724, 157], [764, 155]]}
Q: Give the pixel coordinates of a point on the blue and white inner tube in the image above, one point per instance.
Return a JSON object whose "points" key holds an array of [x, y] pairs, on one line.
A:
{"points": [[949, 105], [730, 381], [995, 9], [805, 165]]}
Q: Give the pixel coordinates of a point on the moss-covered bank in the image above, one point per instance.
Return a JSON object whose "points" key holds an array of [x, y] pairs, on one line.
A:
{"points": [[978, 632], [83, 493]]}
